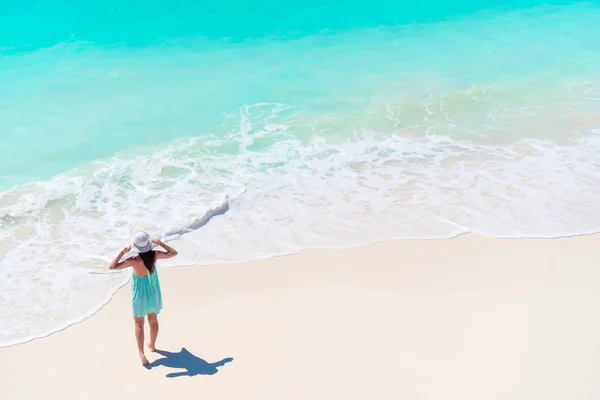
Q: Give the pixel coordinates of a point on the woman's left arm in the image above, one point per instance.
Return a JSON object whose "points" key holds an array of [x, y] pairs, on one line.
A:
{"points": [[115, 264], [171, 252]]}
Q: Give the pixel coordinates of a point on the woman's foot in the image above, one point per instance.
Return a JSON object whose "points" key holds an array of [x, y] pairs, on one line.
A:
{"points": [[144, 359], [151, 347]]}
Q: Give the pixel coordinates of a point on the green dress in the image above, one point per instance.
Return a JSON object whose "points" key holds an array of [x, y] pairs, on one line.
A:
{"points": [[146, 297]]}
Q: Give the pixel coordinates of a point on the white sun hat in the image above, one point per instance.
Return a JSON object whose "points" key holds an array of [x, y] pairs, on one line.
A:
{"points": [[141, 241]]}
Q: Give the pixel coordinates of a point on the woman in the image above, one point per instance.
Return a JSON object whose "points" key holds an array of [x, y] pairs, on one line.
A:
{"points": [[146, 295]]}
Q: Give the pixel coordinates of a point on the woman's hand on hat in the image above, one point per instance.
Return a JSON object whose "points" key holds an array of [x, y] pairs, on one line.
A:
{"points": [[126, 249], [156, 241]]}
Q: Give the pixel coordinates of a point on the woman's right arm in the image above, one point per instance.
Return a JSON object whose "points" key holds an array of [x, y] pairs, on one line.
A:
{"points": [[115, 264], [171, 252]]}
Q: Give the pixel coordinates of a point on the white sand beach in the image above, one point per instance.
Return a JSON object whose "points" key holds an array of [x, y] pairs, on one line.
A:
{"points": [[466, 318]]}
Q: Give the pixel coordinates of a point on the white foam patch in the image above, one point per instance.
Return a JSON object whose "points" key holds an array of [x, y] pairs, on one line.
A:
{"points": [[287, 192]]}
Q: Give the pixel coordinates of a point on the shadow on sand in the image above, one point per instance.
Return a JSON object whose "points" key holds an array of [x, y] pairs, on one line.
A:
{"points": [[190, 363]]}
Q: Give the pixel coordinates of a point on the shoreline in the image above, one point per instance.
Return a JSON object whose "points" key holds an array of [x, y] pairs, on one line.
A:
{"points": [[462, 318], [339, 248]]}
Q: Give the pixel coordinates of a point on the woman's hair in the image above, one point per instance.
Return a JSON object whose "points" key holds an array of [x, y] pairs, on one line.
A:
{"points": [[148, 258]]}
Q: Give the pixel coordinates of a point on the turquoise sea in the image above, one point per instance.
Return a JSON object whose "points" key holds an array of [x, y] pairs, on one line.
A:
{"points": [[326, 124]]}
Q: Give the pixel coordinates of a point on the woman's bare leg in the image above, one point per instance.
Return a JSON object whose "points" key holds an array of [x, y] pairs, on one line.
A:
{"points": [[153, 322], [139, 337]]}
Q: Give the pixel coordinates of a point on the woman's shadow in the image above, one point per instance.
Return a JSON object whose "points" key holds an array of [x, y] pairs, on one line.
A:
{"points": [[190, 363]]}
